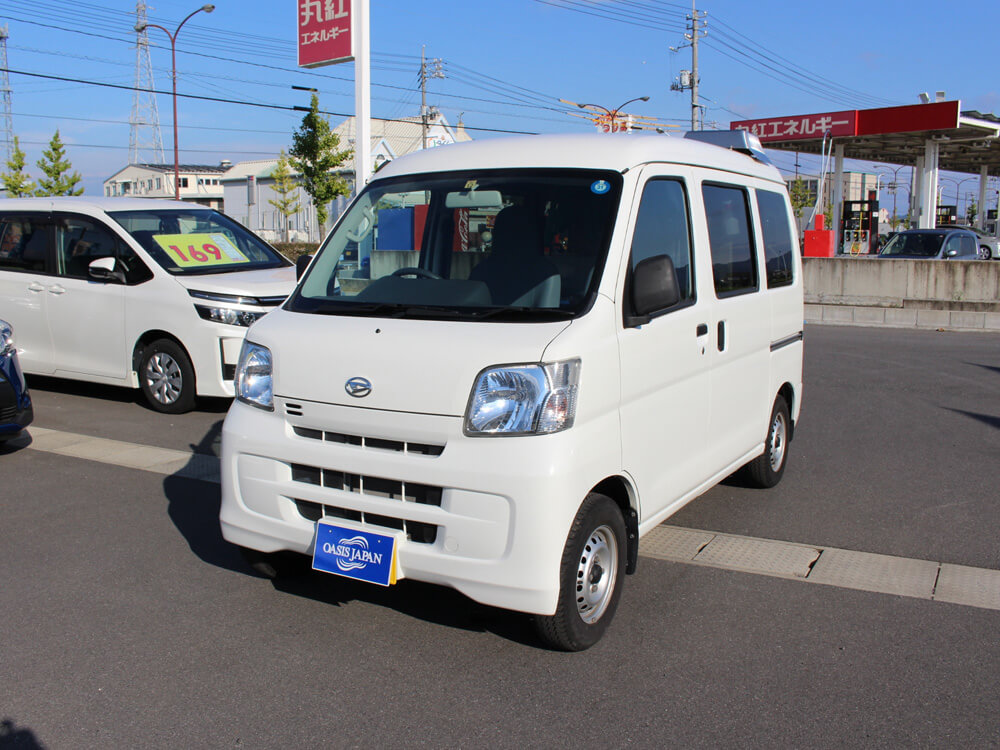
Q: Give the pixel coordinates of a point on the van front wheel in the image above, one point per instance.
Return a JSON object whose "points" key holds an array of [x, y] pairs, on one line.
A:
{"points": [[766, 470], [166, 377], [591, 576]]}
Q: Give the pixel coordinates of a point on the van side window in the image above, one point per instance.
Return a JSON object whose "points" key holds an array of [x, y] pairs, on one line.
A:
{"points": [[80, 240], [734, 266], [777, 233], [24, 243], [661, 228]]}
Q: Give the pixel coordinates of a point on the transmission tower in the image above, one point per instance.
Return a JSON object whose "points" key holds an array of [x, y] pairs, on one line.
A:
{"points": [[6, 123], [144, 122]]}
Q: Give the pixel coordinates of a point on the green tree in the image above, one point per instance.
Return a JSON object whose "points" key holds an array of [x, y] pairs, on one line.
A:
{"points": [[58, 180], [314, 155], [15, 181], [799, 195], [285, 185], [971, 212]]}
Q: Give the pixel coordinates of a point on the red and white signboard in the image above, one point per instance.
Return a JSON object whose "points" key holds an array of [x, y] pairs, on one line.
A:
{"points": [[324, 32], [801, 127]]}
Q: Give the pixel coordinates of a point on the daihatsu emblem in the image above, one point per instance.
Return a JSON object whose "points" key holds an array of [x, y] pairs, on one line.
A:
{"points": [[358, 387]]}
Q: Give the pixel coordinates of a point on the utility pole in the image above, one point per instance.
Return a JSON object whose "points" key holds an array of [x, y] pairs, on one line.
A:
{"points": [[144, 122], [6, 121], [424, 75], [689, 79]]}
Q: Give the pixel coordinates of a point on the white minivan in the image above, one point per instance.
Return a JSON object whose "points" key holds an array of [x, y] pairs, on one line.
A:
{"points": [[149, 294], [512, 358]]}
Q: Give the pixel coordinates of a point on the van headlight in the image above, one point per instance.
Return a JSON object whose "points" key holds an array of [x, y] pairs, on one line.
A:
{"points": [[6, 338], [228, 315], [524, 399], [254, 384]]}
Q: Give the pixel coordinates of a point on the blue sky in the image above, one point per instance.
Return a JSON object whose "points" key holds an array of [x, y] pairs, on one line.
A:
{"points": [[507, 63]]}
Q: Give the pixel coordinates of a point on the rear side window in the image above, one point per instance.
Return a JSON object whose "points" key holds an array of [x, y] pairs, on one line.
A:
{"points": [[778, 243], [24, 242], [661, 228], [734, 267]]}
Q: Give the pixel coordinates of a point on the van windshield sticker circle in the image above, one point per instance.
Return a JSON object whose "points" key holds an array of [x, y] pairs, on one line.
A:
{"points": [[358, 387], [600, 187]]}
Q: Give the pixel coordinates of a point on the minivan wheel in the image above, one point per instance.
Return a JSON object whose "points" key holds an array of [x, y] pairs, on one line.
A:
{"points": [[766, 470], [591, 576], [166, 377], [985, 253]]}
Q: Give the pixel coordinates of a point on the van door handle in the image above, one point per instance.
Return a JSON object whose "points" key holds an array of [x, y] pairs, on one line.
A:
{"points": [[722, 335], [57, 289], [34, 286], [702, 329]]}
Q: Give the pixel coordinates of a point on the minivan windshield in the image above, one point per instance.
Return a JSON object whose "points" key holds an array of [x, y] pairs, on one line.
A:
{"points": [[197, 241], [513, 244]]}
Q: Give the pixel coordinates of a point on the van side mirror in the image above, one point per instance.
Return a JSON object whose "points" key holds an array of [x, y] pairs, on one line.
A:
{"points": [[653, 287], [301, 264], [105, 269]]}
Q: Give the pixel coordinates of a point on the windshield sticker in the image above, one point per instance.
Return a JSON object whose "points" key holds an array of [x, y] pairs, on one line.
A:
{"points": [[600, 187], [200, 250]]}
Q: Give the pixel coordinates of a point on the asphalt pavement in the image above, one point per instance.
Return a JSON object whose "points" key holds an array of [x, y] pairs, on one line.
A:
{"points": [[128, 622]]}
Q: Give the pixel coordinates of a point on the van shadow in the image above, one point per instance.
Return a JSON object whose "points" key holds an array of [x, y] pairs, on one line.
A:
{"points": [[12, 736], [193, 507], [115, 393]]}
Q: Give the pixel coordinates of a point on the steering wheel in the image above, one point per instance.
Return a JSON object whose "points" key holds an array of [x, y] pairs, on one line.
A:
{"points": [[421, 273]]}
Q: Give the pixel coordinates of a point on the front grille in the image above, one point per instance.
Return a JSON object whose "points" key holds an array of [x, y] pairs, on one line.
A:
{"points": [[416, 531], [398, 446], [7, 415]]}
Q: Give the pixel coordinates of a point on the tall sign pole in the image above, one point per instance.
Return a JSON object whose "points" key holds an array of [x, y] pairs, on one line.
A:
{"points": [[336, 31], [362, 97]]}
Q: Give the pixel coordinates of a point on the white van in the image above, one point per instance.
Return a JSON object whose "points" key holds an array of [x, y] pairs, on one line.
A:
{"points": [[512, 358], [149, 294]]}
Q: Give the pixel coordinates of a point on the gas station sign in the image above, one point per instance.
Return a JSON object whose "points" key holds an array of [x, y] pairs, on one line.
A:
{"points": [[800, 127], [324, 36]]}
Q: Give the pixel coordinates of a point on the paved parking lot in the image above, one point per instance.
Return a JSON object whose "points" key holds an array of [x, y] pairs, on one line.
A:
{"points": [[128, 621]]}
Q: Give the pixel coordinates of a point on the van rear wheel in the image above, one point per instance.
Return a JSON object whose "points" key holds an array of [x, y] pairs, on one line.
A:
{"points": [[767, 469], [591, 576]]}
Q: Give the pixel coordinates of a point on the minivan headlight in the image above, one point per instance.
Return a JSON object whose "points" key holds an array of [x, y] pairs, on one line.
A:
{"points": [[6, 338], [254, 384], [524, 399], [228, 315]]}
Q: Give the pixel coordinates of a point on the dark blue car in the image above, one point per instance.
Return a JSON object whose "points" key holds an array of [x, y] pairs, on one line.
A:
{"points": [[15, 402]]}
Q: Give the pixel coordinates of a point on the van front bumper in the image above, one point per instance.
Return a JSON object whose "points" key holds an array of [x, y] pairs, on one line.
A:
{"points": [[486, 516]]}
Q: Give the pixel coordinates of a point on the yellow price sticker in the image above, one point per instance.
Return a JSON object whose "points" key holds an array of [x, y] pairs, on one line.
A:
{"points": [[199, 250]]}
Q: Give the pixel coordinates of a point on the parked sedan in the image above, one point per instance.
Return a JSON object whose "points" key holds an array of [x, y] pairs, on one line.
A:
{"points": [[989, 245], [15, 401], [933, 244]]}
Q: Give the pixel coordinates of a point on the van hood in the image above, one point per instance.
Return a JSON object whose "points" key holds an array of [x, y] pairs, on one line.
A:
{"points": [[262, 282], [418, 366]]}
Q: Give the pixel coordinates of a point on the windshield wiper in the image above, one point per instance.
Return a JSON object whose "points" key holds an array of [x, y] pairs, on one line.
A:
{"points": [[520, 313]]}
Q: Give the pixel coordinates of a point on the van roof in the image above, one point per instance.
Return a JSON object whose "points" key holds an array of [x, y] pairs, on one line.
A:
{"points": [[584, 151], [92, 203]]}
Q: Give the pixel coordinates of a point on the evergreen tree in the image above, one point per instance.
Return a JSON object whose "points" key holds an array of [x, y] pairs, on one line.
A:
{"points": [[15, 181], [285, 184], [314, 155], [56, 167]]}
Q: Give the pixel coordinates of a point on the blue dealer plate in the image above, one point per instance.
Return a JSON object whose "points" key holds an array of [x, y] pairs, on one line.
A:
{"points": [[362, 555]]}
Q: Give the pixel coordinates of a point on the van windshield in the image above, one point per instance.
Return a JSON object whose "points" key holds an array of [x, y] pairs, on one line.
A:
{"points": [[197, 241], [492, 244]]}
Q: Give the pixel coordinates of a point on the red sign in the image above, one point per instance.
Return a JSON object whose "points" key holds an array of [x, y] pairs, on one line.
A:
{"points": [[324, 32], [801, 127], [911, 118]]}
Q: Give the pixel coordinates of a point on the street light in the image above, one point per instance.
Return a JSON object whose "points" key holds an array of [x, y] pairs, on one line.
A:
{"points": [[893, 187], [141, 27], [612, 113]]}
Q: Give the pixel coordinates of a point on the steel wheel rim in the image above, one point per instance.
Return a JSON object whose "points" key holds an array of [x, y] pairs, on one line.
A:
{"points": [[596, 574], [164, 378], [777, 441]]}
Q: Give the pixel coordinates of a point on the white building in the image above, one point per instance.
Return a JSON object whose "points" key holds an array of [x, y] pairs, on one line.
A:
{"points": [[199, 183]]}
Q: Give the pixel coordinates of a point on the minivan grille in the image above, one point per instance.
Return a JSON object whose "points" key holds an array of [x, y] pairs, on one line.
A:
{"points": [[417, 531], [391, 489], [399, 446]]}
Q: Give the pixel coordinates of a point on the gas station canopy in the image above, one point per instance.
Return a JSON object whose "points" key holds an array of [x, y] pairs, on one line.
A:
{"points": [[929, 137], [967, 141]]}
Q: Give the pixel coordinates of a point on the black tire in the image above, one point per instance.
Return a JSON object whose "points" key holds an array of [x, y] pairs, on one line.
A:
{"points": [[985, 253], [273, 565], [767, 469], [166, 377], [594, 556]]}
